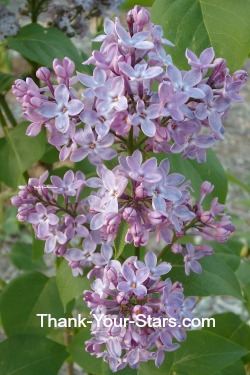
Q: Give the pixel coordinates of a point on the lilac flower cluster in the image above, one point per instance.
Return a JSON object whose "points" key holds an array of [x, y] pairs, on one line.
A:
{"points": [[158, 203], [135, 104], [183, 115], [131, 291]]}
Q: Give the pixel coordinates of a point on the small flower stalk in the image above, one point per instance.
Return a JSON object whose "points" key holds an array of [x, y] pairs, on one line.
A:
{"points": [[135, 110]]}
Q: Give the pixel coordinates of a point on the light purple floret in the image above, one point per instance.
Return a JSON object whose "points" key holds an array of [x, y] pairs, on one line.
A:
{"points": [[62, 109]]}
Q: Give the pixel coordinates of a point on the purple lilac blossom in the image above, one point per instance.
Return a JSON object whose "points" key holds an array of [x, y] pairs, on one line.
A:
{"points": [[136, 103], [127, 291]]}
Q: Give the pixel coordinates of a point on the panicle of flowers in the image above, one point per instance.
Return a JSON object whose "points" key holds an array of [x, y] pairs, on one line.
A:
{"points": [[183, 115], [59, 216], [126, 293], [135, 104]]}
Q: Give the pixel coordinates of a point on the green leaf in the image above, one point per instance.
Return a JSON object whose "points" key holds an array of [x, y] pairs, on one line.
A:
{"points": [[6, 81], [127, 371], [37, 248], [42, 45], [50, 156], [149, 368], [77, 351], [246, 293], [243, 272], [236, 368], [216, 278], [196, 25], [21, 257], [27, 295], [119, 241], [131, 3], [237, 182], [18, 152], [205, 353], [202, 353], [29, 355], [228, 252], [211, 171], [69, 287], [230, 326]]}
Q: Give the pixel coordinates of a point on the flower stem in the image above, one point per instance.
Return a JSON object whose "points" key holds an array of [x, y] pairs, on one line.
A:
{"points": [[141, 142], [130, 143], [118, 136], [3, 122], [67, 340], [7, 111], [175, 238]]}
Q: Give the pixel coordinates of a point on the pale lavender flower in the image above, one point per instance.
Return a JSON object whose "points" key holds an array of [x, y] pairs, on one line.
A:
{"points": [[212, 109], [165, 189], [101, 120], [54, 236], [42, 219], [75, 227], [136, 41], [140, 72], [170, 101], [151, 262], [98, 79], [67, 186], [111, 95], [62, 109], [138, 171], [115, 186], [202, 63], [186, 82], [134, 281], [192, 256], [145, 116], [65, 142], [96, 150]]}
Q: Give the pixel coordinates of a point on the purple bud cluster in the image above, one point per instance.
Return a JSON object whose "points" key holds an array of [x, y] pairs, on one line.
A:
{"points": [[124, 293], [137, 103]]}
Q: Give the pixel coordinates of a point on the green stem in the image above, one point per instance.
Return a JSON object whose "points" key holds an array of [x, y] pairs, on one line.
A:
{"points": [[118, 136], [130, 143], [7, 110], [67, 340], [3, 122], [138, 251], [175, 238], [141, 142]]}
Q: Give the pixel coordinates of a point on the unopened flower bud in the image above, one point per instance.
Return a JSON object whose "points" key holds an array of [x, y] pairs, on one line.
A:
{"points": [[240, 75], [43, 74], [129, 214], [143, 17], [207, 187], [206, 217], [141, 192], [177, 248]]}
